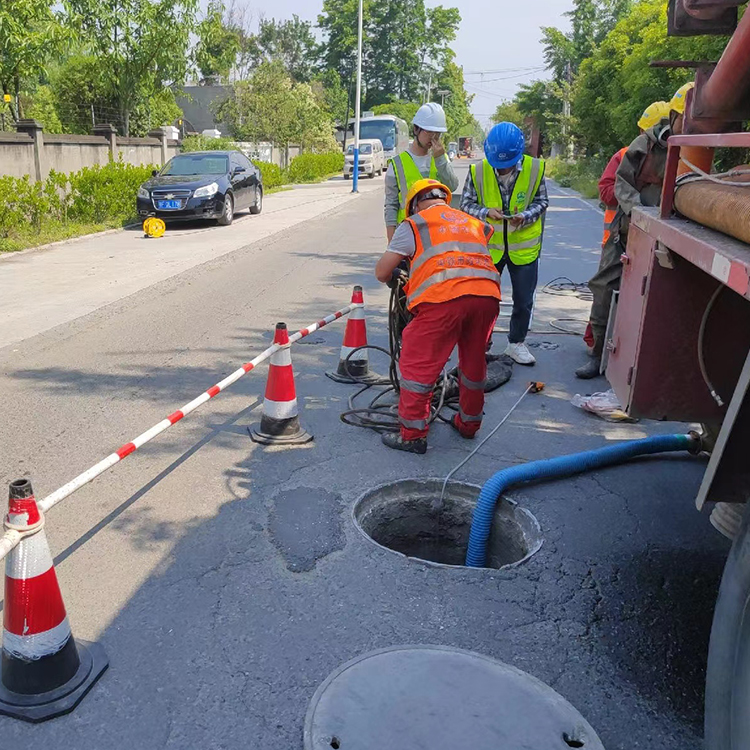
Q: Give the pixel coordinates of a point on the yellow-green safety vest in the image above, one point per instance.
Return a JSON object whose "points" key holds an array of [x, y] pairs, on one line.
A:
{"points": [[524, 243], [407, 174]]}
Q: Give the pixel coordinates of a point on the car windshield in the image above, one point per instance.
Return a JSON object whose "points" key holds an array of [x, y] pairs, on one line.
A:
{"points": [[189, 165], [364, 148], [383, 130]]}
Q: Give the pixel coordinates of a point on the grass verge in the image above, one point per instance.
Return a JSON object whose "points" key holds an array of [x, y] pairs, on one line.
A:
{"points": [[28, 237]]}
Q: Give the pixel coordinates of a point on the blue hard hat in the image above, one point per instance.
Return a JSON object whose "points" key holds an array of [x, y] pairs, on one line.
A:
{"points": [[504, 145]]}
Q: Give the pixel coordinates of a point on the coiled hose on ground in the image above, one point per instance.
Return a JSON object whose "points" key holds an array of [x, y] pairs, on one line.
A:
{"points": [[556, 468]]}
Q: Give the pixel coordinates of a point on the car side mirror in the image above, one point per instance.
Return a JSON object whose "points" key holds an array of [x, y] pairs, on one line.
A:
{"points": [[154, 173], [239, 170]]}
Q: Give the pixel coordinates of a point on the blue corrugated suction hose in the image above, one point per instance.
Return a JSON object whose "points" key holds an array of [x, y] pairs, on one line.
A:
{"points": [[555, 468]]}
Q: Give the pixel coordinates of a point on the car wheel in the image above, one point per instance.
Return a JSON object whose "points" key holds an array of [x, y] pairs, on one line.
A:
{"points": [[346, 176], [372, 175], [257, 207], [227, 215], [727, 721]]}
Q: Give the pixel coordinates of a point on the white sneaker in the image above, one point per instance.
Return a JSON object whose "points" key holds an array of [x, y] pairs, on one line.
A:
{"points": [[520, 353]]}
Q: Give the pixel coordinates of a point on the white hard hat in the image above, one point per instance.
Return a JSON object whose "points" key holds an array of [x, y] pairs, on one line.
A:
{"points": [[431, 116]]}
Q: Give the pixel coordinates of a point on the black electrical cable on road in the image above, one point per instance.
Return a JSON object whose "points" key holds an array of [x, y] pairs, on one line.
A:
{"points": [[562, 286], [383, 417]]}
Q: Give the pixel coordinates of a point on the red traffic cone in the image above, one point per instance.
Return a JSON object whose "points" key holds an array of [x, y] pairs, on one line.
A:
{"points": [[355, 368], [45, 672], [279, 424]]}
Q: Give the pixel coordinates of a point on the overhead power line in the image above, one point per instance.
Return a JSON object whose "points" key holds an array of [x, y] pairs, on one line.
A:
{"points": [[500, 70]]}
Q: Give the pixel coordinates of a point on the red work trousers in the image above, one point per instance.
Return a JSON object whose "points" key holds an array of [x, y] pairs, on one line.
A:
{"points": [[428, 343]]}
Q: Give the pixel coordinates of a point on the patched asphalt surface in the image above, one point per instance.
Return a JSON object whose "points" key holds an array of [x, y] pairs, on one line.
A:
{"points": [[221, 621]]}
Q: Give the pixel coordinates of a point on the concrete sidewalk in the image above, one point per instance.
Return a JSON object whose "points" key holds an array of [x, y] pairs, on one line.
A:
{"points": [[40, 289]]}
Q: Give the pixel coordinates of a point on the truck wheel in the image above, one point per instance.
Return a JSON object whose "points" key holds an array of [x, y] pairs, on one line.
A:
{"points": [[727, 720]]}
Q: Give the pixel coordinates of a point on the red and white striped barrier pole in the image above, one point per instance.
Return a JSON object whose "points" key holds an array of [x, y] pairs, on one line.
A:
{"points": [[45, 673], [11, 537]]}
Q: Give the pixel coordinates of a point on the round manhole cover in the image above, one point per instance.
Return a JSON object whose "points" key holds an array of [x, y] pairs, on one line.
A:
{"points": [[440, 698], [407, 517]]}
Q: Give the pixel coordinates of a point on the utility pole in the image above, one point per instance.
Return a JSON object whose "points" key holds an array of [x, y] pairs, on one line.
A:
{"points": [[566, 111], [429, 89], [357, 105]]}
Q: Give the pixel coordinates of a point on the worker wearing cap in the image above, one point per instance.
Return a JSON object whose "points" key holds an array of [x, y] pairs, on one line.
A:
{"points": [[425, 157], [601, 286], [453, 293], [638, 182], [509, 191]]}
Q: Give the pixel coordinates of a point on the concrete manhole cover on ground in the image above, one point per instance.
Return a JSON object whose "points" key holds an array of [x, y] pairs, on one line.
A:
{"points": [[405, 517], [440, 698]]}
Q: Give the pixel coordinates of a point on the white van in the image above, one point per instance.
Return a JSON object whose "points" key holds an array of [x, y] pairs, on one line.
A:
{"points": [[371, 158]]}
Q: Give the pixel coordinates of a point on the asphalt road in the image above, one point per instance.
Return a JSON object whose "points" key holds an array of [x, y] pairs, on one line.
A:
{"points": [[226, 580]]}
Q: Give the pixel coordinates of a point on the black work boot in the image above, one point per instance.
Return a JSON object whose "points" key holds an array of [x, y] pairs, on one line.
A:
{"points": [[395, 441], [590, 369]]}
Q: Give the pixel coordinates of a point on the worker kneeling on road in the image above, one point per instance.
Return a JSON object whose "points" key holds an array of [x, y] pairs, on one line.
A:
{"points": [[453, 292]]}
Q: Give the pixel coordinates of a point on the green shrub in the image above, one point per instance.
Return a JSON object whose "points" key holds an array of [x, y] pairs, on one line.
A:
{"points": [[201, 143], [581, 175], [310, 167], [95, 195], [273, 177], [106, 193]]}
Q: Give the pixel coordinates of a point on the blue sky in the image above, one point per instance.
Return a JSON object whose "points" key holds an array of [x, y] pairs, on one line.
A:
{"points": [[497, 37]]}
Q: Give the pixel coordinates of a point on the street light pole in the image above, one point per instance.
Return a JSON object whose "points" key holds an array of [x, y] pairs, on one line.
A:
{"points": [[443, 93], [357, 105]]}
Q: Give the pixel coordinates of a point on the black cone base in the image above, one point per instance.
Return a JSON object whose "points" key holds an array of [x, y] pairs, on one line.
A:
{"points": [[354, 371], [280, 432], [61, 700]]}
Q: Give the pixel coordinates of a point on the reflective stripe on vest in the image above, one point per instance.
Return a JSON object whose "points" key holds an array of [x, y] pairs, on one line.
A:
{"points": [[523, 244], [451, 258], [407, 174]]}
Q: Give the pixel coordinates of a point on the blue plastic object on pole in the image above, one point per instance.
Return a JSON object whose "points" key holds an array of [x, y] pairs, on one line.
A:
{"points": [[556, 468], [355, 171]]}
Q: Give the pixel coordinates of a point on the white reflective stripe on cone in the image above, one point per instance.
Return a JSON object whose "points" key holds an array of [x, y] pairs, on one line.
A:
{"points": [[280, 409], [358, 357], [358, 313], [39, 645], [282, 358], [30, 559]]}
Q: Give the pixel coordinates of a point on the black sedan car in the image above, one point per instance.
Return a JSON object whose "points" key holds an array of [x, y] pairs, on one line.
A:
{"points": [[202, 185]]}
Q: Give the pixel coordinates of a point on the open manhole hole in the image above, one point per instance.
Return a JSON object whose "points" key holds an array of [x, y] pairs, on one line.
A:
{"points": [[405, 517]]}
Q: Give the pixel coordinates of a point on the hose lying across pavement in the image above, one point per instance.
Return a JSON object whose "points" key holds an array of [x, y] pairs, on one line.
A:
{"points": [[556, 468]]}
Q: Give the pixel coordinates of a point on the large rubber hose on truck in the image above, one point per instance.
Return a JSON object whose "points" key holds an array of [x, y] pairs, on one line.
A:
{"points": [[556, 468], [725, 208], [727, 719]]}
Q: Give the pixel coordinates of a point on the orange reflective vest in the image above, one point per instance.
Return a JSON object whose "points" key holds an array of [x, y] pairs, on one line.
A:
{"points": [[610, 213], [451, 258]]}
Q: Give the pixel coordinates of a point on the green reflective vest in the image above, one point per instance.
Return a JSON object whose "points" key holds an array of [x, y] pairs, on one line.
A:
{"points": [[522, 244], [406, 175]]}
